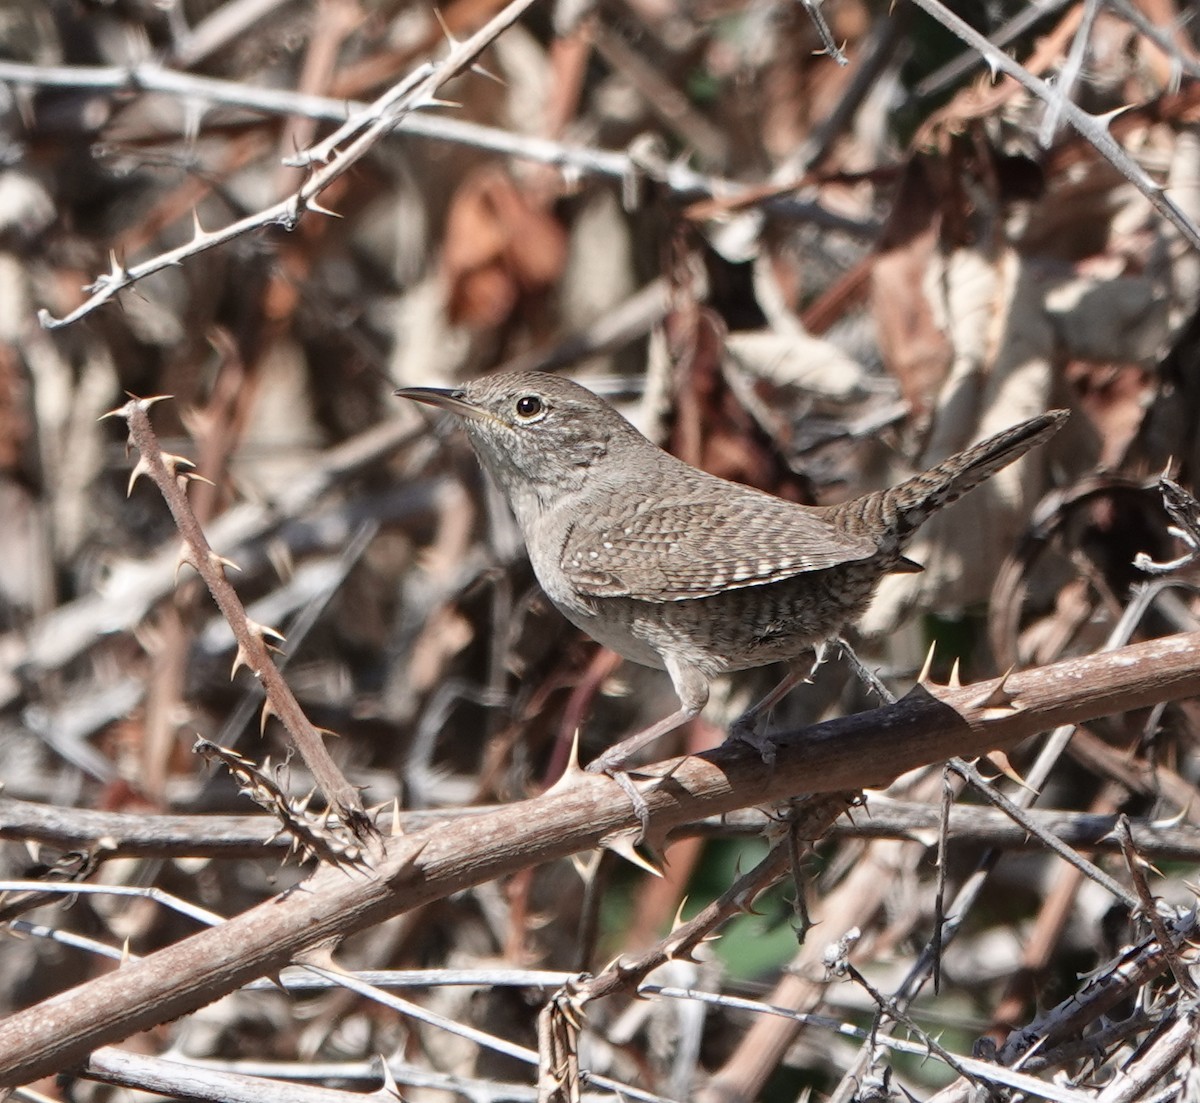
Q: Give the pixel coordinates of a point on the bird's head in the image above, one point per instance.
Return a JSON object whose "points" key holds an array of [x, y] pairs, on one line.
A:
{"points": [[543, 438]]}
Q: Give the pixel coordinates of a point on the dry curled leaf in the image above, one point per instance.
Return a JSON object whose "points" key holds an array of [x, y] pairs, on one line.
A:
{"points": [[499, 248]]}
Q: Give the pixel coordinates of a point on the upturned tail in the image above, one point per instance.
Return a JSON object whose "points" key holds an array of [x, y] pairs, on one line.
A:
{"points": [[896, 513]]}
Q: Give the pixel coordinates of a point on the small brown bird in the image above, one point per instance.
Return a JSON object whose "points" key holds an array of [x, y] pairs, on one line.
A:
{"points": [[675, 568]]}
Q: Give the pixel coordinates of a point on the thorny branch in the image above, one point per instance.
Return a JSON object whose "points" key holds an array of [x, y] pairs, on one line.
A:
{"points": [[1094, 128], [863, 749], [361, 132], [252, 651], [575, 161]]}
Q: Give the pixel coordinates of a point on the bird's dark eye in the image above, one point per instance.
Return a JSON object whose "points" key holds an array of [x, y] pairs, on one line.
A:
{"points": [[530, 406]]}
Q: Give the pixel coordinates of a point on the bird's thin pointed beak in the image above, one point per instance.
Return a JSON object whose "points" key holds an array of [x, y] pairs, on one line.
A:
{"points": [[451, 401]]}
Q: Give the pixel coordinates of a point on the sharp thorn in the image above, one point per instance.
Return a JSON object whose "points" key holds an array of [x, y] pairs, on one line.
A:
{"points": [[998, 695], [572, 771], [1000, 760], [623, 844], [481, 71], [437, 14], [139, 469], [221, 561], [677, 922], [121, 411], [185, 560], [316, 208], [927, 666]]}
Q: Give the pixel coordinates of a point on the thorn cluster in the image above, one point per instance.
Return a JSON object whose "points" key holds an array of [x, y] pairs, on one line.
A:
{"points": [[319, 836]]}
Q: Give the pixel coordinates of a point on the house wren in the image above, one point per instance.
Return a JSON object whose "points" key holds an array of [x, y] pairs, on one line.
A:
{"points": [[675, 568]]}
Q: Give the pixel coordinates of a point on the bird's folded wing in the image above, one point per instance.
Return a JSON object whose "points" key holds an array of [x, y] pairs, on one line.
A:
{"points": [[692, 547]]}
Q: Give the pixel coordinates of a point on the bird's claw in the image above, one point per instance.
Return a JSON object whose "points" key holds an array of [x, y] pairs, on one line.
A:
{"points": [[747, 729], [640, 808]]}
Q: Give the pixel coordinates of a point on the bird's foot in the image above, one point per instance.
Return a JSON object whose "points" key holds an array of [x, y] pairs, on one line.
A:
{"points": [[612, 769], [751, 729]]}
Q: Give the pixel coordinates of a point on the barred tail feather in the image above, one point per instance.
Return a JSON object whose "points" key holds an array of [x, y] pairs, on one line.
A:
{"points": [[900, 510]]}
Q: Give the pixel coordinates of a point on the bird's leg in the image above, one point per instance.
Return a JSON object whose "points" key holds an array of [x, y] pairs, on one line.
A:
{"points": [[868, 677], [692, 689], [613, 761], [750, 727], [620, 753]]}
